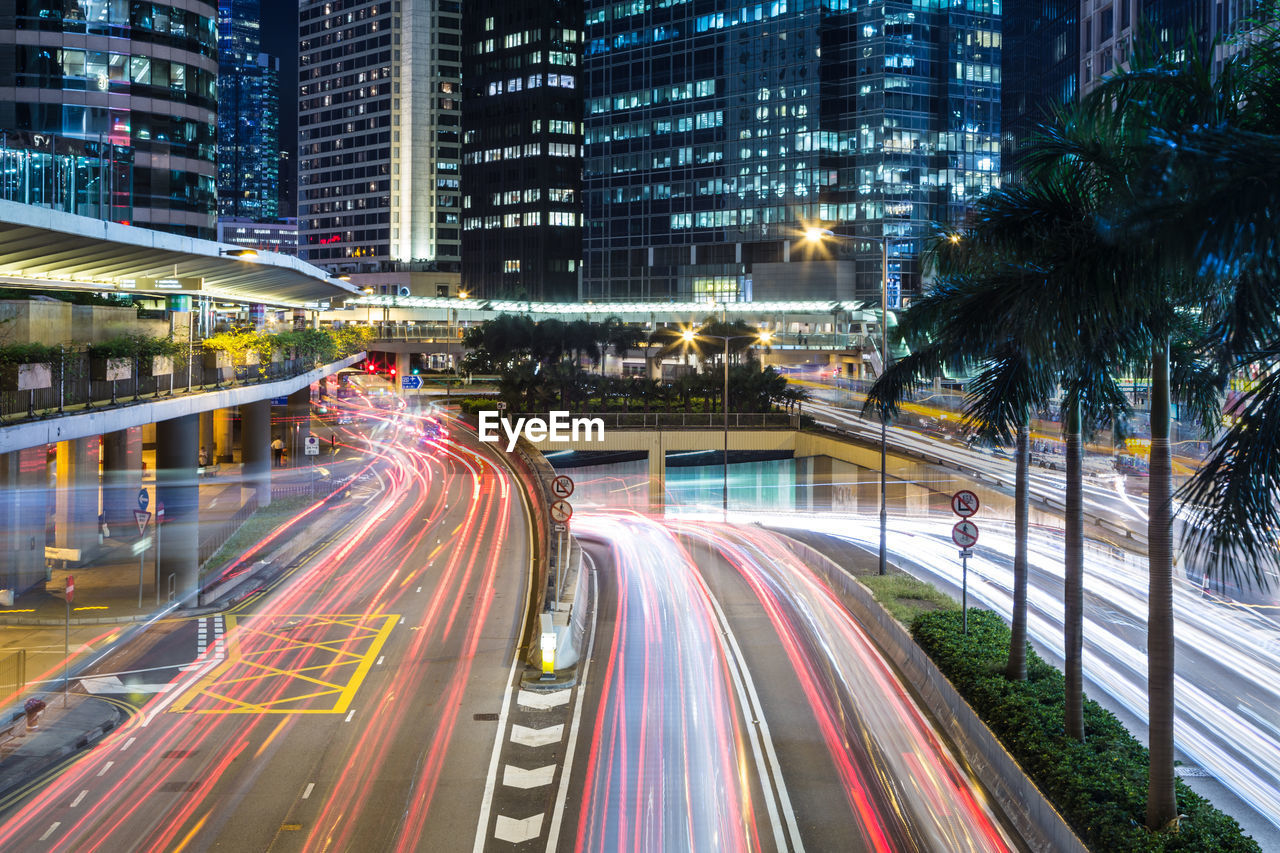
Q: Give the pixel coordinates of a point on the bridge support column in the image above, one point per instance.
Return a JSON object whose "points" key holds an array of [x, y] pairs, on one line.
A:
{"points": [[255, 449], [24, 502], [76, 513], [298, 413], [177, 445], [206, 432], [121, 478], [402, 368], [657, 476], [224, 423]]}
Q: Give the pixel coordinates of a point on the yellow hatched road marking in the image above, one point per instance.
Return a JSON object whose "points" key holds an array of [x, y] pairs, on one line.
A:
{"points": [[241, 667]]}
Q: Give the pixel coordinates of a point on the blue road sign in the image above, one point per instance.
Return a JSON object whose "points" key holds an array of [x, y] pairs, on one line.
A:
{"points": [[279, 401], [410, 383], [143, 499]]}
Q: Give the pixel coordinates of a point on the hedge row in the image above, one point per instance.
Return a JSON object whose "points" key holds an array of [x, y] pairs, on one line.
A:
{"points": [[1099, 786]]}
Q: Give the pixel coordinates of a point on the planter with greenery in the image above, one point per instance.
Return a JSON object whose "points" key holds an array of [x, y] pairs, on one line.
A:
{"points": [[1099, 783], [27, 367]]}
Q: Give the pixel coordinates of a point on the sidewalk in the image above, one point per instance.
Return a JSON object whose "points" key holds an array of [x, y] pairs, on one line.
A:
{"points": [[24, 755]]}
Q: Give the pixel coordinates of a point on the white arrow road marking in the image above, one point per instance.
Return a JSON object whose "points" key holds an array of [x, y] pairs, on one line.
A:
{"points": [[517, 777], [543, 701], [517, 831], [112, 684], [536, 737]]}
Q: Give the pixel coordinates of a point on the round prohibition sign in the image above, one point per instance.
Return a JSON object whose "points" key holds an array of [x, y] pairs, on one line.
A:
{"points": [[562, 486], [964, 503], [561, 512], [965, 534]]}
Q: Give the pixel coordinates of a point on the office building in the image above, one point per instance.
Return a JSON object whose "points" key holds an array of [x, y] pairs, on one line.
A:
{"points": [[140, 76], [272, 235], [379, 134], [1041, 62], [248, 116], [715, 137], [522, 150]]}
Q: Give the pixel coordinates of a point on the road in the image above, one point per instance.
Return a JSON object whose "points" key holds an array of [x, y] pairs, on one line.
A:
{"points": [[337, 712], [735, 705]]}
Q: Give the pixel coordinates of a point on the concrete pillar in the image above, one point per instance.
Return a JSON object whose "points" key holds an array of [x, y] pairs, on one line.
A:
{"points": [[177, 444], [24, 506], [121, 478], [402, 368], [206, 431], [868, 490], [657, 476], [76, 516], [821, 483], [298, 415], [224, 423], [255, 449]]}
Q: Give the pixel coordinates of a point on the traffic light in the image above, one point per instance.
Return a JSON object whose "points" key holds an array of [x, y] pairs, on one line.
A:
{"points": [[393, 371], [415, 371]]}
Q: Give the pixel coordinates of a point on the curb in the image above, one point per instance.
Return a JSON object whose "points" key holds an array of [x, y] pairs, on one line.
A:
{"points": [[31, 768]]}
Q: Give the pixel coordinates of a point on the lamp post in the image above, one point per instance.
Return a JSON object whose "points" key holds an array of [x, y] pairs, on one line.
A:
{"points": [[817, 235], [689, 336]]}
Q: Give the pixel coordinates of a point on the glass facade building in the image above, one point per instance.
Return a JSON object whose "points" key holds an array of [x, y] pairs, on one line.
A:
{"points": [[135, 75], [248, 116], [716, 133], [70, 175], [379, 134], [522, 150], [1041, 63]]}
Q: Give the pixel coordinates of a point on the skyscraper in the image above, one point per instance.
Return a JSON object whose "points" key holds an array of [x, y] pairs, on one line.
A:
{"points": [[248, 116], [522, 149], [379, 133], [714, 138], [141, 76], [1040, 71]]}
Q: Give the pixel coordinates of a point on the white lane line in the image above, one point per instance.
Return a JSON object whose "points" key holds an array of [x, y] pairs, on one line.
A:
{"points": [[80, 796], [746, 686], [543, 701], [517, 831], [310, 787], [419, 589], [350, 714], [51, 830], [401, 620], [557, 812], [537, 737], [381, 658], [128, 744], [105, 767]]}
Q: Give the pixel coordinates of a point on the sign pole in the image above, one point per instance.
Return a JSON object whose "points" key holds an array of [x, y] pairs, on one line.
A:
{"points": [[964, 588], [158, 527], [66, 652]]}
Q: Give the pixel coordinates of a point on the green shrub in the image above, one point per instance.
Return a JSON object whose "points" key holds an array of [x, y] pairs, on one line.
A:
{"points": [[1100, 785], [134, 346], [28, 354], [474, 405]]}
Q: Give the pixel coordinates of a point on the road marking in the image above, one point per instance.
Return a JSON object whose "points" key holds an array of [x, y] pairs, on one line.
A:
{"points": [[526, 736], [419, 589], [516, 831], [79, 797], [350, 714], [557, 812], [518, 777], [128, 744], [306, 794], [543, 701], [381, 658], [51, 830], [401, 620], [105, 767]]}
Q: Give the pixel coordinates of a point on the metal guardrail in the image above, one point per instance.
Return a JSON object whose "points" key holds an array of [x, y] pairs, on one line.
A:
{"points": [[73, 389]]}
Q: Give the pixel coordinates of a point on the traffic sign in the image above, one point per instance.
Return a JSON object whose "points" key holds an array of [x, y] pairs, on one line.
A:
{"points": [[159, 512], [502, 405], [71, 588], [561, 512], [965, 534], [964, 503], [311, 446], [144, 499], [562, 486], [559, 528], [142, 517], [410, 383]]}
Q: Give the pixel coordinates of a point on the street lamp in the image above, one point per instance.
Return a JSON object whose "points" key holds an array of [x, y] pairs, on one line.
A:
{"points": [[689, 336], [242, 254], [816, 236]]}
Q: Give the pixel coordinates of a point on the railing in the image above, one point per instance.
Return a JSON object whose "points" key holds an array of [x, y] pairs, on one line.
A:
{"points": [[73, 389], [686, 420], [215, 536], [437, 332]]}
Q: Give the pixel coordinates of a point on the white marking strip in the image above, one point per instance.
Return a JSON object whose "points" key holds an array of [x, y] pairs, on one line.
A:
{"points": [[51, 830], [543, 701], [310, 787], [381, 658], [105, 767], [350, 714], [516, 831], [518, 777], [79, 797], [537, 737], [128, 744]]}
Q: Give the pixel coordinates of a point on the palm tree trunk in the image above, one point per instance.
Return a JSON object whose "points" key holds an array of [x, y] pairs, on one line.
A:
{"points": [[1017, 668], [1073, 588], [1162, 806]]}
